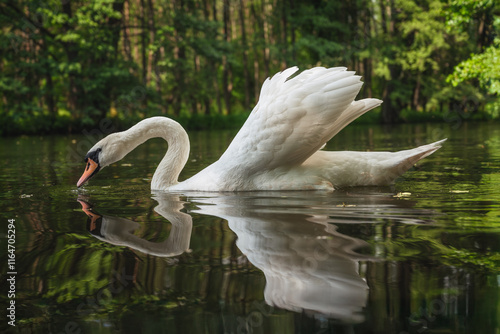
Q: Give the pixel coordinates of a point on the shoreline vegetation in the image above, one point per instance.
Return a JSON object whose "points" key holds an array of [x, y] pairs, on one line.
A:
{"points": [[44, 124], [67, 65]]}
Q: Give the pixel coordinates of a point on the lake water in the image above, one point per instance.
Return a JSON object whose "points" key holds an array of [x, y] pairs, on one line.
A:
{"points": [[420, 256]]}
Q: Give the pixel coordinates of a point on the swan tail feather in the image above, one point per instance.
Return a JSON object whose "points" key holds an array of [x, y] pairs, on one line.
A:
{"points": [[408, 158], [351, 168]]}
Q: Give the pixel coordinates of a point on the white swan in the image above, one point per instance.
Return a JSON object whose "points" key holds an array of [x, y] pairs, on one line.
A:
{"points": [[278, 147]]}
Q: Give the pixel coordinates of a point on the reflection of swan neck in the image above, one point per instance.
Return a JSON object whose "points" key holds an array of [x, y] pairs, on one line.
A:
{"points": [[120, 231], [176, 157]]}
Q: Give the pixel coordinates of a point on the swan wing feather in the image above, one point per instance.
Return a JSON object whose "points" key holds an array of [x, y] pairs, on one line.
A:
{"points": [[295, 117]]}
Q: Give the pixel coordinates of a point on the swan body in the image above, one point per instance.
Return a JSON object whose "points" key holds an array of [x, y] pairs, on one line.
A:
{"points": [[278, 147]]}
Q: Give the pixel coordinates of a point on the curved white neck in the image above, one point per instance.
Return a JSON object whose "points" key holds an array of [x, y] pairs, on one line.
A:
{"points": [[167, 172]]}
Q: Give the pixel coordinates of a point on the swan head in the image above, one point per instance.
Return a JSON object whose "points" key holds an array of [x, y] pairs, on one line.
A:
{"points": [[102, 154]]}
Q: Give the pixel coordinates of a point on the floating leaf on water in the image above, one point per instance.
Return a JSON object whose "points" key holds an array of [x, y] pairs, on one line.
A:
{"points": [[402, 194], [343, 205]]}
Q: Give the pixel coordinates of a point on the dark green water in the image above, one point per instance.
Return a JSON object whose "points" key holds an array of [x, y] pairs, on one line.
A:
{"points": [[421, 256]]}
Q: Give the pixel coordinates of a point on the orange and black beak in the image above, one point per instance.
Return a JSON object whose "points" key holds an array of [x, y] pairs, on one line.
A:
{"points": [[90, 170]]}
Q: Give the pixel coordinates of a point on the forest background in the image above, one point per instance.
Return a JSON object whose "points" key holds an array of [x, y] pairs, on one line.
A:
{"points": [[67, 65]]}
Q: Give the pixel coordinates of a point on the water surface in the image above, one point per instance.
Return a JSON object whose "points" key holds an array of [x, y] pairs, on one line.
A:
{"points": [[420, 256]]}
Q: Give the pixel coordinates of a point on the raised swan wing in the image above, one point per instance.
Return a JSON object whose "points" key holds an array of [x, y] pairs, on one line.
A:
{"points": [[294, 118]]}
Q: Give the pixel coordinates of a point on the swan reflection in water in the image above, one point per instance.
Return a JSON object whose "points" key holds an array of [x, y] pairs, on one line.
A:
{"points": [[120, 231], [308, 265]]}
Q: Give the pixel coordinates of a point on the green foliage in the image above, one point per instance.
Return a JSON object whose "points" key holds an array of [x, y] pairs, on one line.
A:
{"points": [[483, 65], [424, 30], [485, 68], [133, 59]]}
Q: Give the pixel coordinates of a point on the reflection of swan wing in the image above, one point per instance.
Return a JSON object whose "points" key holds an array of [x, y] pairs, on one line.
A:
{"points": [[308, 265], [296, 117], [119, 231], [307, 269]]}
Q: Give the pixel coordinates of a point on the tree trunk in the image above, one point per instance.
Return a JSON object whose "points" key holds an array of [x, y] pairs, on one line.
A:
{"points": [[72, 55], [284, 35], [367, 61], [218, 97], [246, 74], [265, 35], [156, 53], [292, 30], [416, 95], [390, 111], [144, 57], [179, 57], [226, 67], [49, 94], [126, 32]]}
